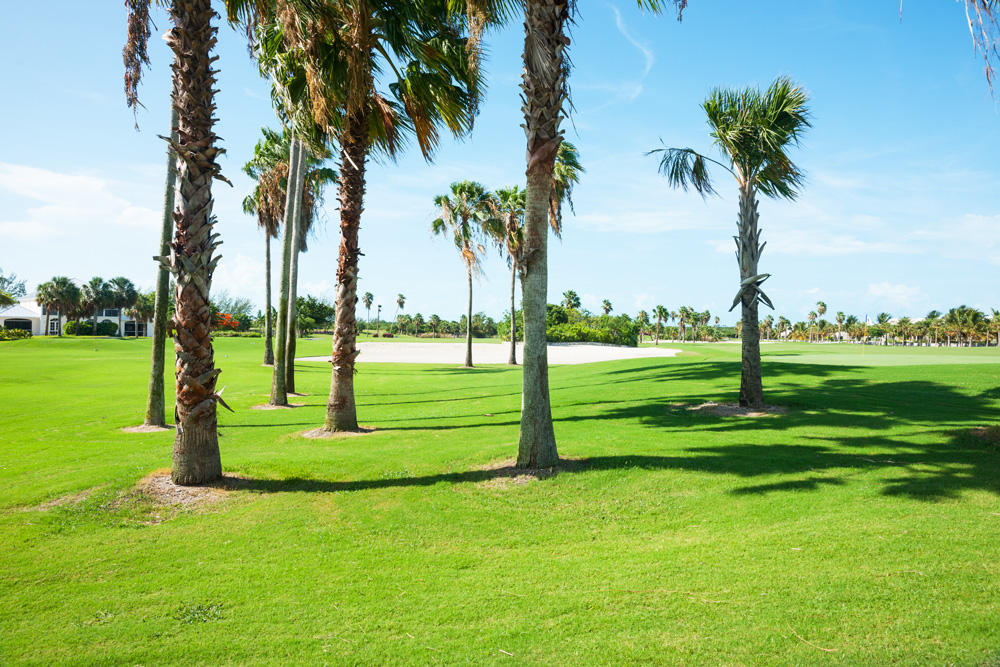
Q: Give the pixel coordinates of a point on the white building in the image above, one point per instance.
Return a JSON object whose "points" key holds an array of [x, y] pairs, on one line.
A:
{"points": [[28, 315]]}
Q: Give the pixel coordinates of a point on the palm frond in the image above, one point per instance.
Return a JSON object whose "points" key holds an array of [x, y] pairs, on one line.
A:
{"points": [[686, 168]]}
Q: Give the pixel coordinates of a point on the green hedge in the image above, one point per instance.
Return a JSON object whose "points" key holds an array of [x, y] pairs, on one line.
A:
{"points": [[611, 330], [86, 328], [14, 334], [236, 334]]}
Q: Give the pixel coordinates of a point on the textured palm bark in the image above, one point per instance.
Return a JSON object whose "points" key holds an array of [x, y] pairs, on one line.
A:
{"points": [[279, 392], [196, 458], [268, 323], [468, 326], [512, 359], [544, 89], [537, 441], [341, 409], [293, 273], [748, 253], [155, 402]]}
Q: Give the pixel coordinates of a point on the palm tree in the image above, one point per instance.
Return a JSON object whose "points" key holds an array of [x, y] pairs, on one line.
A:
{"points": [[142, 310], [430, 64], [570, 300], [565, 174], [96, 296], [123, 295], [509, 207], [783, 325], [464, 215], [400, 305], [59, 295], [368, 299], [812, 321], [196, 449], [606, 306], [434, 323], [840, 323], [643, 320], [269, 168], [753, 130], [661, 314], [768, 324], [933, 319]]}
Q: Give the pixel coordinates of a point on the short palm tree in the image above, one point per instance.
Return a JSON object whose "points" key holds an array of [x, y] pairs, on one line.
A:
{"points": [[464, 214], [753, 130], [606, 306], [434, 321]]}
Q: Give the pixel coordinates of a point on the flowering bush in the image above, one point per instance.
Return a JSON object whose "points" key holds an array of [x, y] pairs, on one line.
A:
{"points": [[225, 322]]}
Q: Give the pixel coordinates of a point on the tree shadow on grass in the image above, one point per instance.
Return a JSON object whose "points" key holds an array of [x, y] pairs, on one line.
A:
{"points": [[940, 470]]}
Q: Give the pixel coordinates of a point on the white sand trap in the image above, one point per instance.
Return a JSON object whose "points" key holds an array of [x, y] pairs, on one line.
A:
{"points": [[492, 353]]}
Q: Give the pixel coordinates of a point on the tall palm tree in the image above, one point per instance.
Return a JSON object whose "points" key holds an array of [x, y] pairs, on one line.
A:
{"points": [[196, 449], [368, 299], [840, 323], [434, 321], [269, 169], [812, 322], [783, 325], [464, 215], [768, 325], [753, 131], [565, 175], [509, 210], [546, 91], [400, 305], [933, 319], [606, 306], [428, 61]]}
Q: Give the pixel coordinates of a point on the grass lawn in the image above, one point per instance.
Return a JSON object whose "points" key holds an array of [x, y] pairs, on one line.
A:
{"points": [[858, 527]]}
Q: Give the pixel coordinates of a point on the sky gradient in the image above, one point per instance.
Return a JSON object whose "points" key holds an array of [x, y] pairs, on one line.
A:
{"points": [[900, 212]]}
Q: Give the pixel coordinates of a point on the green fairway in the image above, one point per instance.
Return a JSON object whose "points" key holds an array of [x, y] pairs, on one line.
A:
{"points": [[857, 527]]}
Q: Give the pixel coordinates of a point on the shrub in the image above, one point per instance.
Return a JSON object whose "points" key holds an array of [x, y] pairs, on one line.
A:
{"points": [[237, 334], [107, 328], [14, 334]]}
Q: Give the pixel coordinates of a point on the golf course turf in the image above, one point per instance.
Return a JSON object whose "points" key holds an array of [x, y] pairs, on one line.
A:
{"points": [[856, 525]]}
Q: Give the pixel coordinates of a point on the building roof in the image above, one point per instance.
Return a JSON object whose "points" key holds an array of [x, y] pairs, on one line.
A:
{"points": [[19, 311]]}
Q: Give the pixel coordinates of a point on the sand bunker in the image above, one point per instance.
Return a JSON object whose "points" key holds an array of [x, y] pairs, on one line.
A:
{"points": [[495, 353]]}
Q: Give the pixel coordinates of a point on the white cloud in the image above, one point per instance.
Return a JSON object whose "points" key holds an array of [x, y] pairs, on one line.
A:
{"points": [[898, 295], [241, 276], [67, 204]]}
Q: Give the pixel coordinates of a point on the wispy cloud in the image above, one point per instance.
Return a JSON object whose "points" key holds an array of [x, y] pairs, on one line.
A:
{"points": [[896, 295], [647, 52]]}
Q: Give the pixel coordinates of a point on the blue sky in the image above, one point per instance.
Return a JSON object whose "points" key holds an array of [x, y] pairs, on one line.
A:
{"points": [[901, 211]]}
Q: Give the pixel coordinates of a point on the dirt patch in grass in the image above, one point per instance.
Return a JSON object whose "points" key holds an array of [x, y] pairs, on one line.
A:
{"points": [[989, 435], [146, 428], [159, 489], [729, 409], [502, 474], [321, 434], [268, 406]]}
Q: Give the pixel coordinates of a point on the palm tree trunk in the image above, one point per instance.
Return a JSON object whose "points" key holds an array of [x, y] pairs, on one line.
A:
{"points": [[293, 276], [341, 409], [268, 324], [279, 392], [468, 325], [155, 401], [93, 330], [545, 88], [59, 322], [196, 457], [512, 360], [751, 384]]}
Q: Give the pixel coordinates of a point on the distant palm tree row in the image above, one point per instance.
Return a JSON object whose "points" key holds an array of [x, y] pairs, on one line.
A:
{"points": [[962, 325], [63, 298]]}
